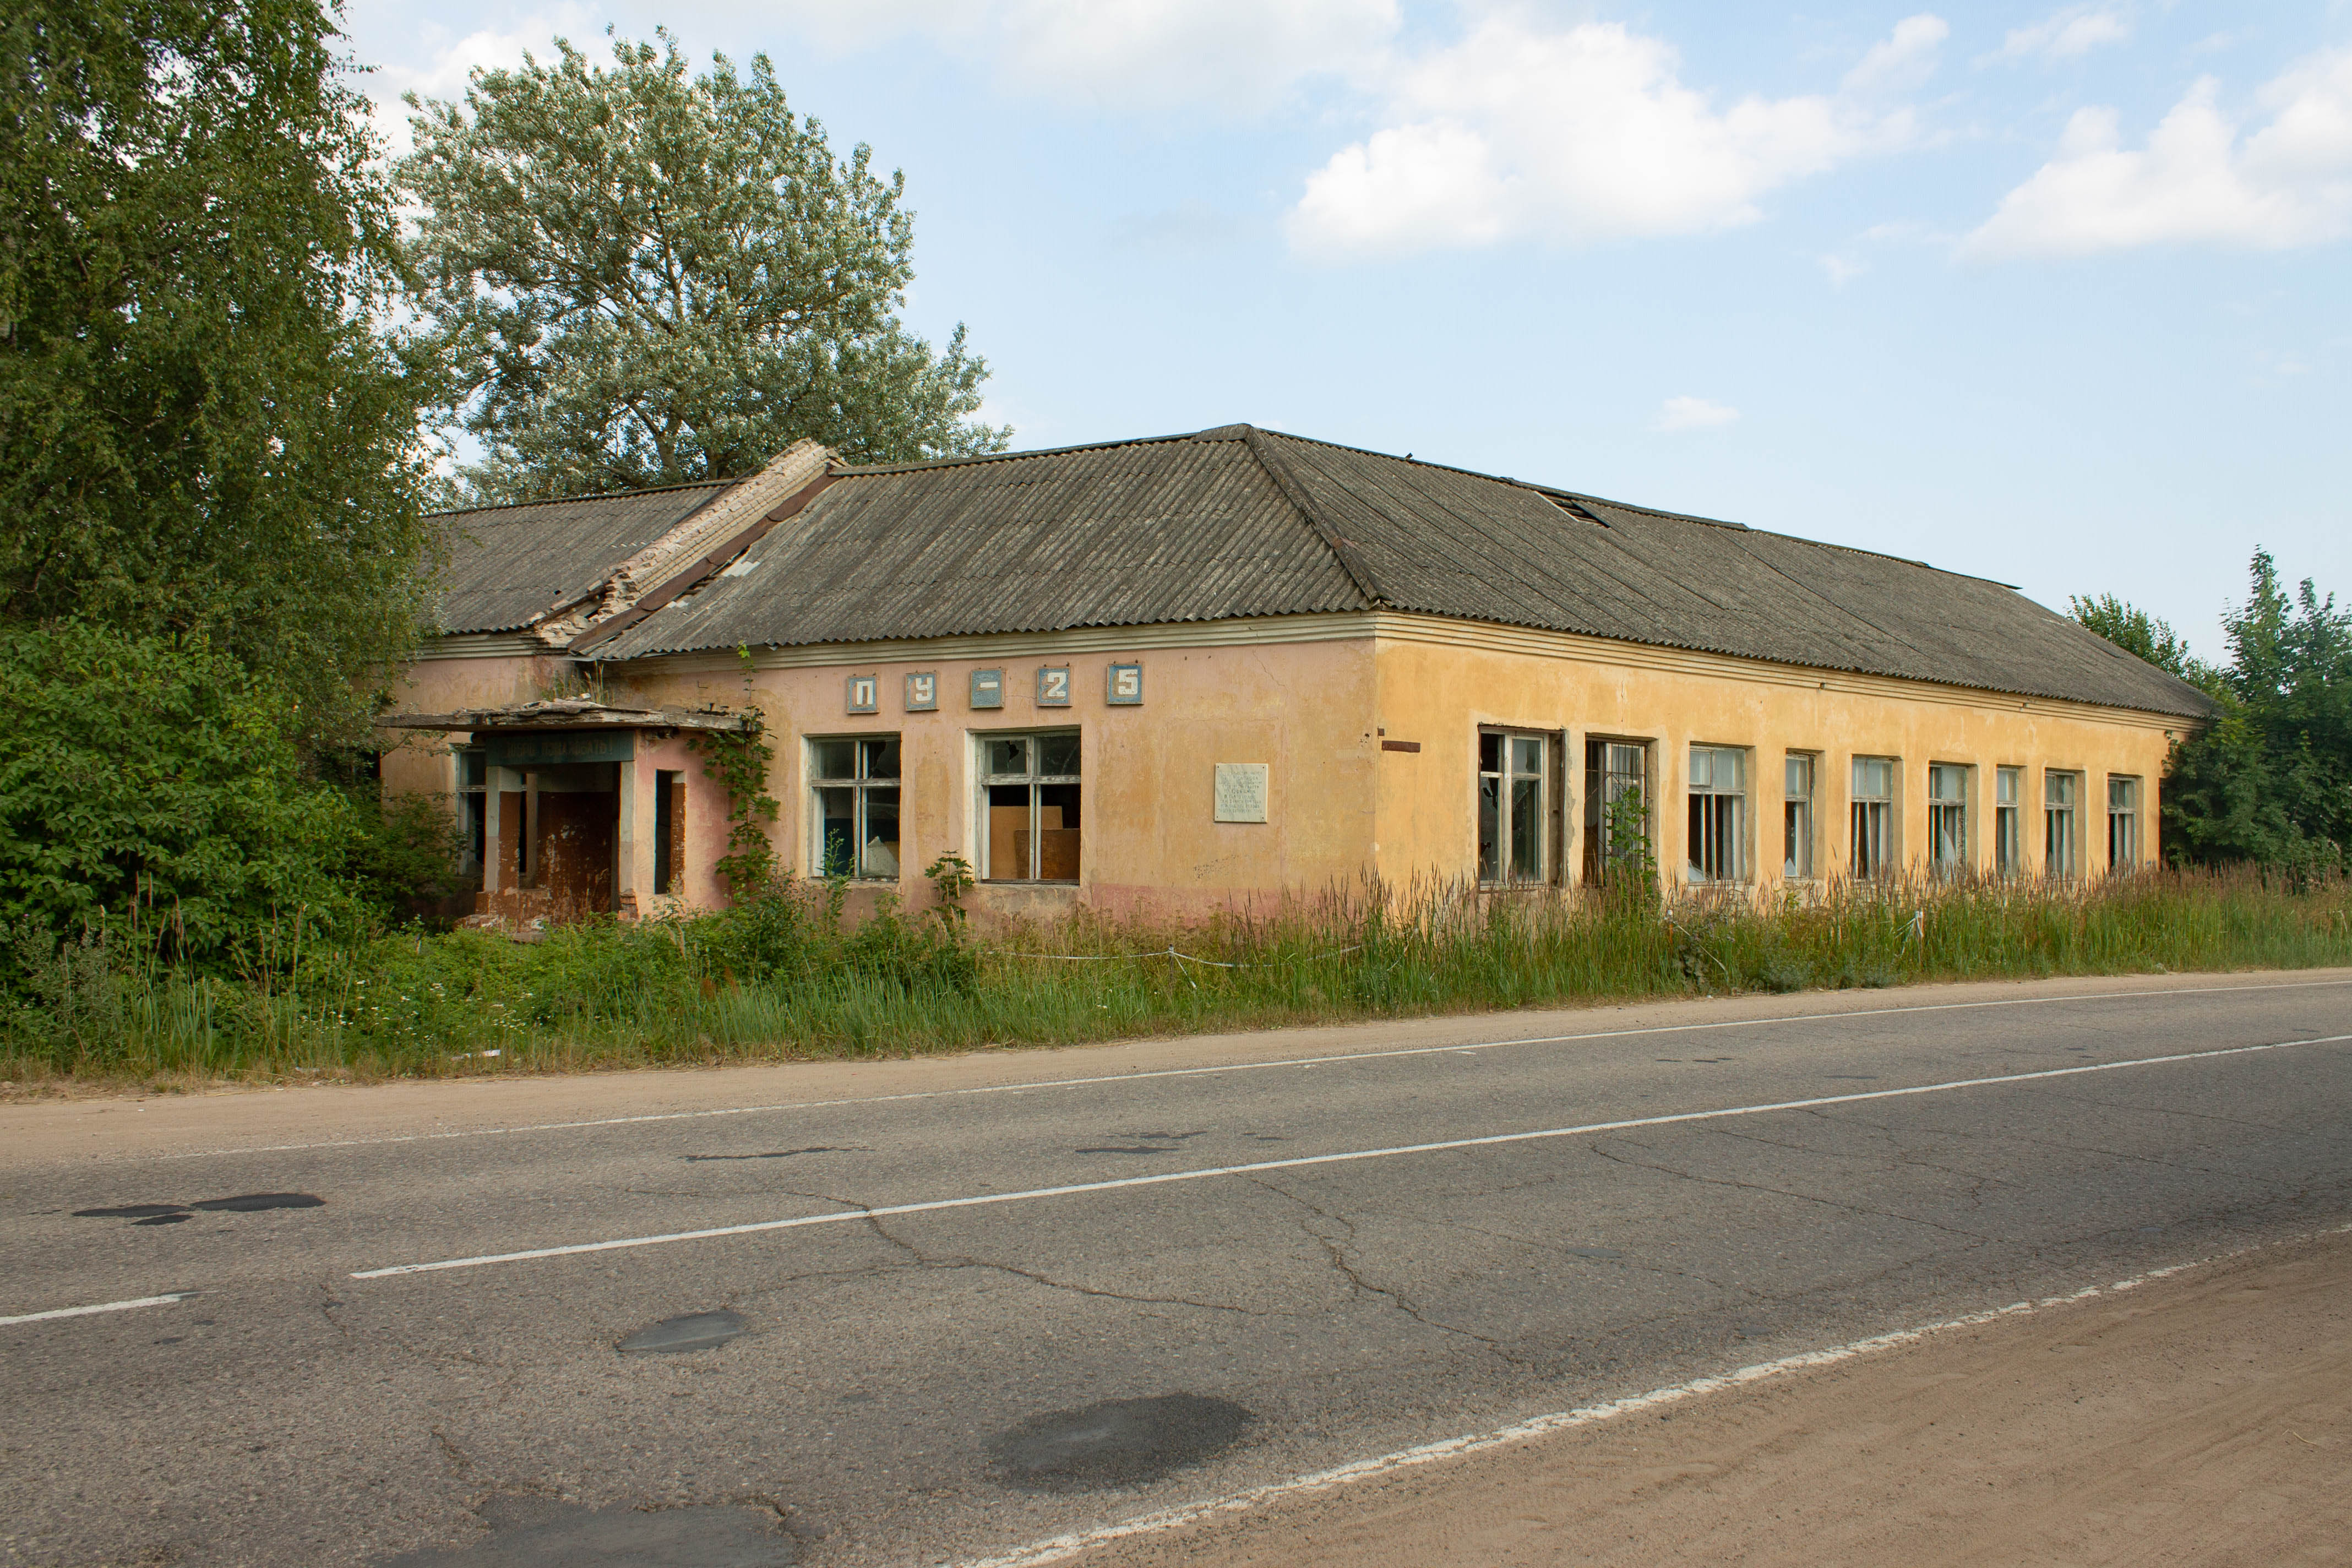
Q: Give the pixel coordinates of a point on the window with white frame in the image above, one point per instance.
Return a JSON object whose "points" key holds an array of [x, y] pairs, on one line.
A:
{"points": [[1948, 817], [2123, 824], [1512, 808], [1874, 816], [1718, 814], [2062, 842], [854, 803], [1616, 809], [1796, 815], [1029, 807], [2007, 801]]}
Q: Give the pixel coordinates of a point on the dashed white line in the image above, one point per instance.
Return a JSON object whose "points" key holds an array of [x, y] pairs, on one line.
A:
{"points": [[981, 1200], [1060, 1547], [132, 1305], [1099, 1080]]}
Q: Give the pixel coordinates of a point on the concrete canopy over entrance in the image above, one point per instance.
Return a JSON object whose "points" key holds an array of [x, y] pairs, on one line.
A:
{"points": [[572, 807]]}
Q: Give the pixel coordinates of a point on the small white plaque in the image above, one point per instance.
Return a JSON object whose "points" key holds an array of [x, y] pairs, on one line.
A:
{"points": [[1241, 792]]}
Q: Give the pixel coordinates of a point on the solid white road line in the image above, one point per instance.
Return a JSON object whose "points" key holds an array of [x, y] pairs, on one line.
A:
{"points": [[983, 1200], [100, 1306], [1464, 1047], [1064, 1546]]}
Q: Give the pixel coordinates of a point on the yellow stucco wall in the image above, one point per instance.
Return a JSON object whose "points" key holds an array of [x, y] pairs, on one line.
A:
{"points": [[1439, 682], [1150, 842], [1316, 709]]}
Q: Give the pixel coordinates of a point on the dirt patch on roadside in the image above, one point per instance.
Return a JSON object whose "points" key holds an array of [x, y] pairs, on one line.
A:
{"points": [[2205, 1419]]}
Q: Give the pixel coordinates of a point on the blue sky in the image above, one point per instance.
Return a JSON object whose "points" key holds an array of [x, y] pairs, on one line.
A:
{"points": [[2059, 295]]}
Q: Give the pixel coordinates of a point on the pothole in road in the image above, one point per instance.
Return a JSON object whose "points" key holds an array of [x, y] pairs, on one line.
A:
{"points": [[689, 1331], [538, 1532], [1118, 1442]]}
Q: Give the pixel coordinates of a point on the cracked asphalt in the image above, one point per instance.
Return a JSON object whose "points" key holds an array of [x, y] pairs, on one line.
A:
{"points": [[288, 1413]]}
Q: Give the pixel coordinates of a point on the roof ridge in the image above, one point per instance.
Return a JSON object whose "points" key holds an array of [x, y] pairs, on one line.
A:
{"points": [[1278, 469], [857, 470], [599, 495]]}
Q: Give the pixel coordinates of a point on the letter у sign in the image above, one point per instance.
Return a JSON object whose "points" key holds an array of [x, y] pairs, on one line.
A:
{"points": [[554, 748]]}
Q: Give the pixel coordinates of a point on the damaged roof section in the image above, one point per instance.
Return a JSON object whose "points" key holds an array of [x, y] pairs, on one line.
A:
{"points": [[558, 571], [565, 713], [1238, 522]]}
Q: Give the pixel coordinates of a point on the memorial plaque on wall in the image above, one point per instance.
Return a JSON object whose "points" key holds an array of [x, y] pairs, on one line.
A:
{"points": [[1241, 792]]}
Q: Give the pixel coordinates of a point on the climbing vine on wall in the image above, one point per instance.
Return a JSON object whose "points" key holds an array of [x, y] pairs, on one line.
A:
{"points": [[738, 760]]}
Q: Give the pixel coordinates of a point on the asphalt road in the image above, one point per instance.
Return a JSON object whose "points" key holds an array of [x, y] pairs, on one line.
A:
{"points": [[1094, 1298]]}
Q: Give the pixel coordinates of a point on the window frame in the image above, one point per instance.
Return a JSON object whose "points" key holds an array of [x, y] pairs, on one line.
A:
{"points": [[2054, 863], [1604, 789], [2008, 819], [1800, 815], [2128, 819], [1697, 796], [1508, 777], [1035, 781], [1948, 812], [473, 806], [1871, 820], [862, 785]]}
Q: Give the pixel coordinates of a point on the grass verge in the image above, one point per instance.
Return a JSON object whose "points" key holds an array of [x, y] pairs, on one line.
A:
{"points": [[782, 976]]}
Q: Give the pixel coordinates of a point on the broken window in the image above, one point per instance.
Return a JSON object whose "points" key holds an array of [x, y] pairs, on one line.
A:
{"points": [[1796, 817], [1512, 811], [2061, 796], [1616, 809], [1029, 802], [1718, 814], [2007, 847], [1948, 817], [854, 787], [669, 831], [2123, 824], [1874, 816]]}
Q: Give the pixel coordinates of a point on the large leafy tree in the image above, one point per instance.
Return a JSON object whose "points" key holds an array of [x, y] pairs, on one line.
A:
{"points": [[203, 434], [641, 277], [2270, 779]]}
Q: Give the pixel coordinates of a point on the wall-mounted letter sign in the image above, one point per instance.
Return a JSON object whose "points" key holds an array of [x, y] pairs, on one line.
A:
{"points": [[923, 691], [1053, 685], [864, 694], [988, 689], [1241, 792], [1126, 686]]}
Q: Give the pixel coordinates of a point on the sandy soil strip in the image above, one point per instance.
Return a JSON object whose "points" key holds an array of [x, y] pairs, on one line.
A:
{"points": [[2201, 1418]]}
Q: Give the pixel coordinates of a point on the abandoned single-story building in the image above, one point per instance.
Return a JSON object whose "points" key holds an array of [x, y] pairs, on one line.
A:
{"points": [[1165, 674]]}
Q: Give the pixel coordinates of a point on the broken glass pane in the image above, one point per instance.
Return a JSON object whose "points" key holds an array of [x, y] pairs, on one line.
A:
{"points": [[1007, 757], [1490, 830], [880, 855], [880, 757]]}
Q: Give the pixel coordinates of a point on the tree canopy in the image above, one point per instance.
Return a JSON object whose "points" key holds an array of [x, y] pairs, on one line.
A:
{"points": [[640, 277], [2270, 778], [203, 434]]}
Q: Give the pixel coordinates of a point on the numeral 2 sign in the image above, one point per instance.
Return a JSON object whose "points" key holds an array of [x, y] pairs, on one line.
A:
{"points": [[1053, 685]]}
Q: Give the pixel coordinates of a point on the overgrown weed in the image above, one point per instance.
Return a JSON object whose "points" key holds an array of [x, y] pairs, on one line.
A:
{"points": [[782, 975]]}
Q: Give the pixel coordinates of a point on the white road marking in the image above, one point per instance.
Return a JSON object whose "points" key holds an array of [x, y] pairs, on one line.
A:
{"points": [[1490, 1139], [100, 1306], [1060, 1547], [1227, 1068]]}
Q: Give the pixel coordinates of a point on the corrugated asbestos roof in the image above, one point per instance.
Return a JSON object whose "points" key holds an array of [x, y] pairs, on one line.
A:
{"points": [[510, 564], [1238, 522]]}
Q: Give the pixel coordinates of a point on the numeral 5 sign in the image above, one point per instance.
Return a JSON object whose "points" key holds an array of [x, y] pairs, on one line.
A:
{"points": [[1126, 686]]}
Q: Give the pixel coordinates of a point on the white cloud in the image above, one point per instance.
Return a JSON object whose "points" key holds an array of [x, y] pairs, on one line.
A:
{"points": [[1239, 55], [449, 62], [2197, 180], [1693, 414], [1842, 270], [1586, 133], [2076, 30]]}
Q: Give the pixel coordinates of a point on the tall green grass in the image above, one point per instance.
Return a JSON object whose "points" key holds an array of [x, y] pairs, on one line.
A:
{"points": [[784, 976]]}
